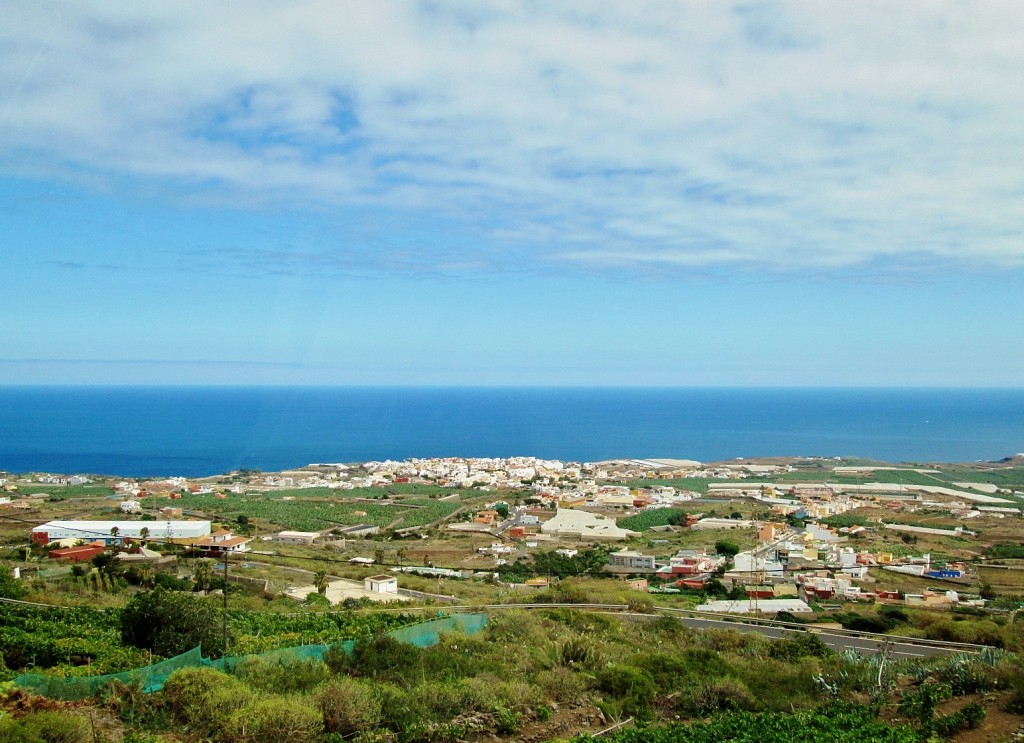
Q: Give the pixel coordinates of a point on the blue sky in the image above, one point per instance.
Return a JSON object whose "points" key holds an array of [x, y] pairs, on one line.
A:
{"points": [[512, 193]]}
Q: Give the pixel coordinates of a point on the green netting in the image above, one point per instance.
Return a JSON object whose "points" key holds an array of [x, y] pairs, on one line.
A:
{"points": [[426, 634], [151, 678], [282, 655]]}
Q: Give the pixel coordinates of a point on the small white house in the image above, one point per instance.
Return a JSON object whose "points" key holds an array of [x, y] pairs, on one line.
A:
{"points": [[381, 584], [297, 537], [131, 506]]}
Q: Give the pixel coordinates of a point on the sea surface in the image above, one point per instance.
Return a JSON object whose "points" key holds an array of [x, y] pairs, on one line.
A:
{"points": [[197, 431]]}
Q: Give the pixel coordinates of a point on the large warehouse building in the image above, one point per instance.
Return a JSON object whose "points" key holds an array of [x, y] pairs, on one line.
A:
{"points": [[182, 532]]}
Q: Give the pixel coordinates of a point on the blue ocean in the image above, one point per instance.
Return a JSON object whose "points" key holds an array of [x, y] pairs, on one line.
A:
{"points": [[196, 431]]}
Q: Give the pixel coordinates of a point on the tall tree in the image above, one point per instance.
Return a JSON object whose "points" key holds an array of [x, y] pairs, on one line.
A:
{"points": [[170, 623], [320, 581], [202, 572], [9, 587]]}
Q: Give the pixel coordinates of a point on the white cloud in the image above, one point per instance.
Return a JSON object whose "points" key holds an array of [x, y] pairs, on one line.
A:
{"points": [[774, 137]]}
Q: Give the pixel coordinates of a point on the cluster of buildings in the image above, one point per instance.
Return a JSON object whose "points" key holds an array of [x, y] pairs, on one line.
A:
{"points": [[795, 567], [103, 534]]}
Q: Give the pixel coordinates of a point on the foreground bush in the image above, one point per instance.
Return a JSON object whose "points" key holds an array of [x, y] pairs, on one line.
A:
{"points": [[272, 719], [46, 727], [201, 698], [282, 676], [349, 706], [714, 695]]}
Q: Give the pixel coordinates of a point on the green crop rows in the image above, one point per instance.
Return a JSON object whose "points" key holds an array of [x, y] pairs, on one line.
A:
{"points": [[82, 641], [651, 517], [320, 509], [839, 723]]}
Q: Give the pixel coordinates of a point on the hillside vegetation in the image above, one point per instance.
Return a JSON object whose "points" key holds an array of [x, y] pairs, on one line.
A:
{"points": [[541, 675]]}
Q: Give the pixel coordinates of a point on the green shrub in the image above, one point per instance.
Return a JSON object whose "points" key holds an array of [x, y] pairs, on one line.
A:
{"points": [[716, 695], [12, 731], [575, 652], [272, 719], [727, 548], [634, 687], [1012, 675], [782, 685], [667, 671], [893, 615], [9, 587], [57, 727], [172, 582], [798, 645], [134, 707], [965, 675], [402, 712], [455, 656], [920, 704], [862, 622], [380, 657], [348, 706], [170, 623], [282, 676], [563, 685], [968, 717], [517, 628], [726, 640], [201, 697]]}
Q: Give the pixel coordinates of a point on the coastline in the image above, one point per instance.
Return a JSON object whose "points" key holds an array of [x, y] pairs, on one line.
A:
{"points": [[151, 431]]}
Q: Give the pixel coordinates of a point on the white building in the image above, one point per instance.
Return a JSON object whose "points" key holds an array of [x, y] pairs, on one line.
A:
{"points": [[131, 506], [746, 562], [297, 537], [571, 523], [381, 584], [89, 531]]}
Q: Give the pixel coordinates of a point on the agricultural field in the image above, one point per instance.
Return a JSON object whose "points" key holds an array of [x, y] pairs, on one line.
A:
{"points": [[84, 641], [651, 517], [693, 484], [65, 639], [64, 492], [319, 509], [1003, 477]]}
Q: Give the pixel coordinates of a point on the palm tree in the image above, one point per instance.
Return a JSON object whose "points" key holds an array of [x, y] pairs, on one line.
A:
{"points": [[144, 533], [114, 531], [320, 581], [201, 573], [401, 555]]}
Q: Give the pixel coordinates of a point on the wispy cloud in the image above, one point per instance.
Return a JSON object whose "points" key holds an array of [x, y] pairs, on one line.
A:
{"points": [[772, 137]]}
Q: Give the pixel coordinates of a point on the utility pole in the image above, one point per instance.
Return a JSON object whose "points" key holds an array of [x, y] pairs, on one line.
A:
{"points": [[225, 592]]}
